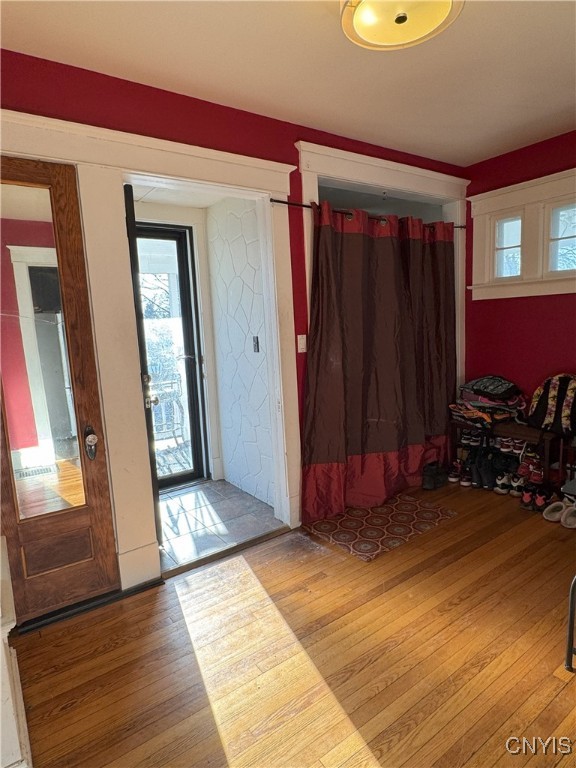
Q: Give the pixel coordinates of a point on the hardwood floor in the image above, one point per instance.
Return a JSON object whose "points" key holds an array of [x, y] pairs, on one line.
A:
{"points": [[294, 655]]}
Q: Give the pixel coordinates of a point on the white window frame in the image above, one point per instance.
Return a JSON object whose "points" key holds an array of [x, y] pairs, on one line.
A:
{"points": [[533, 202], [549, 207], [519, 214]]}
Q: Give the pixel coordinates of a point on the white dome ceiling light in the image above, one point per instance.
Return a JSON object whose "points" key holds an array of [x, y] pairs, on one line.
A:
{"points": [[392, 24]]}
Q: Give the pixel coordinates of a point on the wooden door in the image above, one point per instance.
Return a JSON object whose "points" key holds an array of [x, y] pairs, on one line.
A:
{"points": [[56, 508]]}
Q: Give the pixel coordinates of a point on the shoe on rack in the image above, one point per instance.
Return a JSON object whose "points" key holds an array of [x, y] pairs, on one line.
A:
{"points": [[506, 444], [516, 484], [524, 468], [518, 446], [455, 471], [527, 498], [475, 439], [465, 437], [502, 483], [536, 473], [466, 477], [542, 499]]}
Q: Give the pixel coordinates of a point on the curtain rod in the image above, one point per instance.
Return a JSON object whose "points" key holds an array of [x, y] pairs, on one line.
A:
{"points": [[338, 210]]}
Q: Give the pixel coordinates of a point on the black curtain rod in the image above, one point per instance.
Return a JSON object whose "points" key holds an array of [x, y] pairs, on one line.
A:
{"points": [[338, 210]]}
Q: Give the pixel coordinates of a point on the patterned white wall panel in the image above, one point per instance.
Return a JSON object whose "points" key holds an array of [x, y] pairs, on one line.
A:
{"points": [[234, 258]]}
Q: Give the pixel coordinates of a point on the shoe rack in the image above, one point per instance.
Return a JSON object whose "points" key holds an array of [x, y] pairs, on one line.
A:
{"points": [[515, 431]]}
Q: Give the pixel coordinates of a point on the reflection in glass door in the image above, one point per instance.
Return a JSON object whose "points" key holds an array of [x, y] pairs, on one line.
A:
{"points": [[39, 402], [171, 376]]}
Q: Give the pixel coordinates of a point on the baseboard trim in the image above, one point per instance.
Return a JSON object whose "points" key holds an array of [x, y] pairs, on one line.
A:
{"points": [[82, 607]]}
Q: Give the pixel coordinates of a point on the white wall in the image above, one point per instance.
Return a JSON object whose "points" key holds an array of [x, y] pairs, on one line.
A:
{"points": [[235, 265]]}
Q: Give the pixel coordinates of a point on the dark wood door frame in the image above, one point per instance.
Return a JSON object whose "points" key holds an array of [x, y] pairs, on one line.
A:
{"points": [[67, 556]]}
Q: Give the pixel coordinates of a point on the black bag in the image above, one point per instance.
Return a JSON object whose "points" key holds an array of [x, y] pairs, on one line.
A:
{"points": [[553, 405], [492, 386]]}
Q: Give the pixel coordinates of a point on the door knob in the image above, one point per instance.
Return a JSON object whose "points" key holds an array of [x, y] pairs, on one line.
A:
{"points": [[90, 442], [150, 401]]}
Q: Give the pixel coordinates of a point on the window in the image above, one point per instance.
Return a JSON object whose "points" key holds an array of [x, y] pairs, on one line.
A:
{"points": [[562, 244], [524, 239], [508, 248]]}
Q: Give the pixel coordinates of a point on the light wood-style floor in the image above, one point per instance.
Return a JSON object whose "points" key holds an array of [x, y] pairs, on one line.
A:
{"points": [[294, 654]]}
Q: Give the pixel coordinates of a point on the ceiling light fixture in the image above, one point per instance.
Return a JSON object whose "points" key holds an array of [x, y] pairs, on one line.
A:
{"points": [[391, 24]]}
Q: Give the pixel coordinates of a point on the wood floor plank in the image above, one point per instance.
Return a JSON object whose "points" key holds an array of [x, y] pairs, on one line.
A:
{"points": [[294, 654]]}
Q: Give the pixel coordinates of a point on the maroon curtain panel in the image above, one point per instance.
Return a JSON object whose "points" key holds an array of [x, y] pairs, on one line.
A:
{"points": [[381, 358]]}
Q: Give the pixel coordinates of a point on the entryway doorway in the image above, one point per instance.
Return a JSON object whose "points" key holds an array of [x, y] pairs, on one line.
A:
{"points": [[207, 347], [167, 316]]}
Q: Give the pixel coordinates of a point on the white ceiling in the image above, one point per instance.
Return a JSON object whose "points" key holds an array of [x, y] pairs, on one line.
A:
{"points": [[501, 77]]}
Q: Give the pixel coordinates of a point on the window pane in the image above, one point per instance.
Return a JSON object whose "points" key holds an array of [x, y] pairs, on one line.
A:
{"points": [[563, 254], [508, 262], [165, 356], [563, 221], [508, 232]]}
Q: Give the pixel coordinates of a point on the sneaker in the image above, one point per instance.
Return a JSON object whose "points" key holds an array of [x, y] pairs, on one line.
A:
{"points": [[524, 468], [542, 498], [455, 471], [465, 437], [527, 499], [466, 477], [536, 474], [475, 439], [502, 483], [518, 446], [506, 444], [516, 484], [497, 443]]}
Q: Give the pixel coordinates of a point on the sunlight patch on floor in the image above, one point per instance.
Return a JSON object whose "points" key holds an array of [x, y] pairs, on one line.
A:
{"points": [[271, 705]]}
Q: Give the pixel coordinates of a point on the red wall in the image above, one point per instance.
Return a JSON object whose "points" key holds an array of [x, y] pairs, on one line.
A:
{"points": [[17, 400], [55, 90], [530, 338], [514, 337]]}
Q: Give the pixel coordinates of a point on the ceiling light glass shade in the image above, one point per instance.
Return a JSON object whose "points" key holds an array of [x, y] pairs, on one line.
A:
{"points": [[390, 24]]}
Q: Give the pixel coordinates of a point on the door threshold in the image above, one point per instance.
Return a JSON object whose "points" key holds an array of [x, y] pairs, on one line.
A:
{"points": [[183, 486], [225, 552]]}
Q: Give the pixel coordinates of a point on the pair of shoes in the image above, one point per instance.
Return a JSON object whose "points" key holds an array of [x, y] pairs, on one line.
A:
{"points": [[469, 437], [509, 482], [536, 498], [563, 512], [531, 469], [433, 476]]}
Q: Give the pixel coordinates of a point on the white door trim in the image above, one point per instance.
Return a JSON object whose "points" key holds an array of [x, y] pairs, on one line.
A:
{"points": [[104, 159], [22, 257], [325, 163]]}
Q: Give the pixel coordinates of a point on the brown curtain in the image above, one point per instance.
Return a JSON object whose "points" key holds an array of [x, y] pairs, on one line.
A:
{"points": [[381, 358]]}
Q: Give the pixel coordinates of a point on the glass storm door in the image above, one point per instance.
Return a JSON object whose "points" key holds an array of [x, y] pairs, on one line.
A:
{"points": [[166, 309], [56, 509]]}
